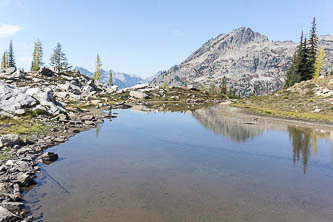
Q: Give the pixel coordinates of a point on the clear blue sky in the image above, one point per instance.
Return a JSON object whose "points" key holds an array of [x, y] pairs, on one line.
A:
{"points": [[144, 36]]}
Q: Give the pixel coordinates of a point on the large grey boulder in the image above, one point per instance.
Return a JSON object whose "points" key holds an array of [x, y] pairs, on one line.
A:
{"points": [[19, 166], [9, 140], [114, 87], [69, 87], [46, 100], [4, 73], [46, 72], [24, 179], [49, 157], [7, 216], [138, 86], [13, 99], [138, 94], [13, 206], [11, 73]]}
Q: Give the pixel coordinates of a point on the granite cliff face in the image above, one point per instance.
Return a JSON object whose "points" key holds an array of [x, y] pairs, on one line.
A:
{"points": [[249, 61]]}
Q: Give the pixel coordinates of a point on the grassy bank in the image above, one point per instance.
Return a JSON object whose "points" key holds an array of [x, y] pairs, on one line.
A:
{"points": [[310, 100]]}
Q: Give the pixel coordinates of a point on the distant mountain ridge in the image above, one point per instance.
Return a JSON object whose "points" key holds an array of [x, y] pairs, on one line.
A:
{"points": [[122, 80], [251, 63]]}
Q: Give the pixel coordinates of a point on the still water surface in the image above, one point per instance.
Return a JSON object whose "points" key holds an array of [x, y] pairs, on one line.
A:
{"points": [[200, 166]]}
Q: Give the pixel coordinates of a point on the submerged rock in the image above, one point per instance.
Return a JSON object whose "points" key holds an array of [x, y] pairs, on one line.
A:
{"points": [[49, 157]]}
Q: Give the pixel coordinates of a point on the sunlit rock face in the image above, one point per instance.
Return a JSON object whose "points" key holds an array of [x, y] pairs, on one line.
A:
{"points": [[250, 61]]}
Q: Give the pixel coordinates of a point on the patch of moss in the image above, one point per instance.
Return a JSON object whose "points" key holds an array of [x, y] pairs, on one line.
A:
{"points": [[5, 157], [35, 113], [22, 126]]}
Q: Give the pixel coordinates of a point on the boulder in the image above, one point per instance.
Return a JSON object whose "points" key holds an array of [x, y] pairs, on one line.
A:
{"points": [[11, 73], [46, 72], [6, 215], [138, 86], [46, 99], [114, 88], [49, 157], [7, 73], [138, 94], [62, 117], [18, 166], [13, 206], [9, 140], [24, 179], [68, 87], [13, 98], [192, 87]]}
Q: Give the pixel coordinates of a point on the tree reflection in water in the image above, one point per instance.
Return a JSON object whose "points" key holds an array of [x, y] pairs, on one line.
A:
{"points": [[301, 140], [304, 141], [98, 129]]}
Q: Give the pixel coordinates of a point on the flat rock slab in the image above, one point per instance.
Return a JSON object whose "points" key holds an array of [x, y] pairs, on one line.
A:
{"points": [[7, 216]]}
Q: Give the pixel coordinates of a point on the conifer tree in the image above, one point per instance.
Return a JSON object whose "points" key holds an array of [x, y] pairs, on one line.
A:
{"points": [[224, 86], [4, 62], [58, 59], [11, 57], [304, 65], [313, 47], [319, 63], [37, 56], [293, 74], [110, 78], [232, 92], [97, 74], [212, 88]]}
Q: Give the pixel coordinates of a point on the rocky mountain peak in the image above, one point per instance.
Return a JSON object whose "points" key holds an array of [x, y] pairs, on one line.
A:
{"points": [[244, 35], [249, 61], [225, 43]]}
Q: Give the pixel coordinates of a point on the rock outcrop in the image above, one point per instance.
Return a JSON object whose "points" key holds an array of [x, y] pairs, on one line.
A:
{"points": [[45, 90], [15, 100], [250, 62]]}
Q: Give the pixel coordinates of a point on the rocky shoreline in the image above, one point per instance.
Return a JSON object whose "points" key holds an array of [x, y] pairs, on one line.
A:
{"points": [[18, 172], [39, 110], [42, 109]]}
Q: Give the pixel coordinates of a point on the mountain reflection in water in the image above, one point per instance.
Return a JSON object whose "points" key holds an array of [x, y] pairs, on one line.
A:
{"points": [[231, 127], [204, 165], [303, 140]]}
